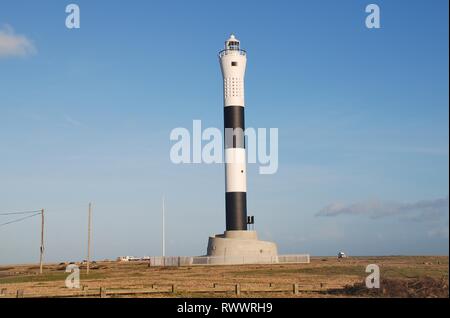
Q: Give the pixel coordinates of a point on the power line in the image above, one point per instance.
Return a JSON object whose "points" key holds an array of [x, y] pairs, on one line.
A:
{"points": [[64, 211], [21, 212], [20, 219]]}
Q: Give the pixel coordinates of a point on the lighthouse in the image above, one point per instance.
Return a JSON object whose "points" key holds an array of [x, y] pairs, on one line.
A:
{"points": [[232, 63], [236, 245]]}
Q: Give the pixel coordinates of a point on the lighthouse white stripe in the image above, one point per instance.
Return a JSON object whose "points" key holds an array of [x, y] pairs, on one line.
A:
{"points": [[235, 170]]}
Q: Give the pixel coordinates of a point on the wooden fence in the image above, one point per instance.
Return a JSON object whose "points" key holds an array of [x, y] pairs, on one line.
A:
{"points": [[174, 290]]}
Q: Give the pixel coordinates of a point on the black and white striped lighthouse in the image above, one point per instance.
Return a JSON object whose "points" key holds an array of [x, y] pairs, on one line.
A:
{"points": [[237, 245], [232, 62]]}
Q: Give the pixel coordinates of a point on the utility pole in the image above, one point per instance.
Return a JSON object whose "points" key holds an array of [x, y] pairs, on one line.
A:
{"points": [[163, 229], [41, 258], [89, 239]]}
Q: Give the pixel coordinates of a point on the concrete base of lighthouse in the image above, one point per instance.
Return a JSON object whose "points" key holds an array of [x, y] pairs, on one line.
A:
{"points": [[241, 247]]}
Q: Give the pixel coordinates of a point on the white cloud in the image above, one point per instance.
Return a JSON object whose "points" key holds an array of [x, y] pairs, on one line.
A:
{"points": [[439, 232], [418, 211], [71, 120], [14, 45]]}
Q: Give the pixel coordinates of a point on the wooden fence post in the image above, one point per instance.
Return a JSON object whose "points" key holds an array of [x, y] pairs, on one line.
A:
{"points": [[102, 292], [173, 288], [295, 289], [237, 289], [19, 293]]}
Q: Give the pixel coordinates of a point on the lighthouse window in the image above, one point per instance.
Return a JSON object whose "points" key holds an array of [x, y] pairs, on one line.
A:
{"points": [[233, 63], [233, 45]]}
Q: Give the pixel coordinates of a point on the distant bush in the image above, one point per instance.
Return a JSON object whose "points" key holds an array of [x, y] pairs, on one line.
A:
{"points": [[425, 287]]}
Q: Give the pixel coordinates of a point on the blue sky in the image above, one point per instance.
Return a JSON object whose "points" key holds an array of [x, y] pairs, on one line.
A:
{"points": [[85, 115]]}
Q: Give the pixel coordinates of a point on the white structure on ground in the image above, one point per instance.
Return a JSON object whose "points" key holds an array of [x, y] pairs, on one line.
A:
{"points": [[131, 258], [232, 260]]}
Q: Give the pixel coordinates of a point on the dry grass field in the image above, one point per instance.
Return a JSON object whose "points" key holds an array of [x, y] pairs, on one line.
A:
{"points": [[412, 276]]}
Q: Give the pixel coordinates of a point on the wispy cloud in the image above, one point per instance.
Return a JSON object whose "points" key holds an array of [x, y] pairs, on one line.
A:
{"points": [[14, 45], [418, 211], [439, 232], [418, 150], [71, 120]]}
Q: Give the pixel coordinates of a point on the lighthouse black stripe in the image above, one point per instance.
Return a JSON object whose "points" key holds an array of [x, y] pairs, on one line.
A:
{"points": [[236, 211], [234, 119]]}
